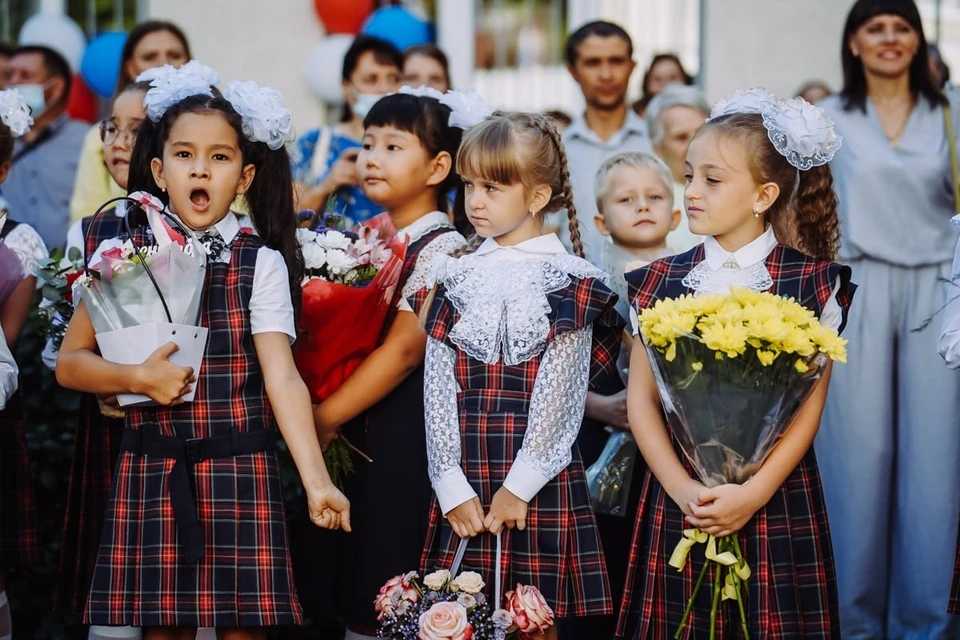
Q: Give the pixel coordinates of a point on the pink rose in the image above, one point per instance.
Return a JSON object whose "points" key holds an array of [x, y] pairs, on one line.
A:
{"points": [[445, 621], [399, 589], [531, 613]]}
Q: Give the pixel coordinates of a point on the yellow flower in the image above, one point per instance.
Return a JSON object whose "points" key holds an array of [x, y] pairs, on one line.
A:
{"points": [[728, 339], [766, 358], [828, 342], [745, 297], [801, 366], [671, 352], [697, 366], [796, 341]]}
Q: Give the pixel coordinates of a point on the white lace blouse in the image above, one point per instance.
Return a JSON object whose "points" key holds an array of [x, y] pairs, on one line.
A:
{"points": [[720, 270], [27, 244], [500, 295], [441, 245]]}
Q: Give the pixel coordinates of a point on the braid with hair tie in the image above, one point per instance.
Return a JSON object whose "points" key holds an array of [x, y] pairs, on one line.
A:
{"points": [[565, 198]]}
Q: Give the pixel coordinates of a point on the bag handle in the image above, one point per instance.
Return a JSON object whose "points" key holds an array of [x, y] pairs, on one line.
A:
{"points": [[458, 559], [954, 167]]}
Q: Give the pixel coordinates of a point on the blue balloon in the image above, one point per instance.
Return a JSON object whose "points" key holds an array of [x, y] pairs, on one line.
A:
{"points": [[100, 66], [399, 27]]}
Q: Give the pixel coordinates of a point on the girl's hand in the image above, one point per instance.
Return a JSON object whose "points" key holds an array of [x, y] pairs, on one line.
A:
{"points": [[163, 381], [328, 508], [506, 510], [688, 494], [724, 510], [467, 519], [343, 173], [610, 410]]}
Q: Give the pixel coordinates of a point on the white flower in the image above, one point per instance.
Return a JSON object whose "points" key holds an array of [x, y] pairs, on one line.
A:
{"points": [[314, 256], [754, 100], [502, 618], [265, 118], [467, 600], [14, 112], [437, 579], [467, 108], [332, 239], [339, 263], [422, 91], [470, 582], [802, 132], [305, 235], [170, 87]]}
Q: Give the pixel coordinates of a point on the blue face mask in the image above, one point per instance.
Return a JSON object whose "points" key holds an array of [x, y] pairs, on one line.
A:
{"points": [[33, 95]]}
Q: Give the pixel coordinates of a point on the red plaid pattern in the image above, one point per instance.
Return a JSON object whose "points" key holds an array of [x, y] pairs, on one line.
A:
{"points": [[792, 593], [244, 578], [96, 445], [559, 551], [18, 515]]}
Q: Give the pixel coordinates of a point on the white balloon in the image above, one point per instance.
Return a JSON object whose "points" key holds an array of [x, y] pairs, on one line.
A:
{"points": [[324, 68], [58, 32]]}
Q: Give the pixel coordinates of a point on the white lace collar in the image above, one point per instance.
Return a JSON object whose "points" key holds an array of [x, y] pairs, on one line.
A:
{"points": [[503, 309], [423, 225], [721, 270]]}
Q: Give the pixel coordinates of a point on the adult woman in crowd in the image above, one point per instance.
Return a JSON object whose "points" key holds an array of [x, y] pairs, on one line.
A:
{"points": [[889, 447], [150, 44], [664, 69], [427, 65], [327, 160]]}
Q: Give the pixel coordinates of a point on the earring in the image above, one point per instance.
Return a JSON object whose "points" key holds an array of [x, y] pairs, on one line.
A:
{"points": [[756, 212], [856, 53]]}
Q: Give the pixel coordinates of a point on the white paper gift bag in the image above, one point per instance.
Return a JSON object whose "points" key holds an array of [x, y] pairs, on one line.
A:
{"points": [[133, 345]]}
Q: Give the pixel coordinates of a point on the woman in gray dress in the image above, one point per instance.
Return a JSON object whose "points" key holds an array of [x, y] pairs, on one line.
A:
{"points": [[889, 444]]}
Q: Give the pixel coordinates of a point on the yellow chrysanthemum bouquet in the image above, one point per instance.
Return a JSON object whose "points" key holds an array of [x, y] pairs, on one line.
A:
{"points": [[732, 371]]}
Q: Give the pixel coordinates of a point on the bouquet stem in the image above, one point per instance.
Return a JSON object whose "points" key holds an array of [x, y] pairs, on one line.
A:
{"points": [[740, 562], [686, 612]]}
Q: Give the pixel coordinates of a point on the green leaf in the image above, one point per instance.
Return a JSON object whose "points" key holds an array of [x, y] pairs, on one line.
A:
{"points": [[74, 255]]}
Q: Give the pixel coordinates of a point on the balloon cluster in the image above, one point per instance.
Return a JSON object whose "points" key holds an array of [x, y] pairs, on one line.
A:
{"points": [[343, 20]]}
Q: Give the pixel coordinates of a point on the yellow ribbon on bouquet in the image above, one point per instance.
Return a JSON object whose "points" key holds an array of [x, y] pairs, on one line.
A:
{"points": [[739, 572]]}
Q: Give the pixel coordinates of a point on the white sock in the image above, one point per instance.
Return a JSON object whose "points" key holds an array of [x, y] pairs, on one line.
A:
{"points": [[6, 623], [99, 632]]}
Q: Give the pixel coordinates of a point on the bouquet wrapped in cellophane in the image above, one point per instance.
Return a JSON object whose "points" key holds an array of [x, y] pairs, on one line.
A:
{"points": [[732, 371], [142, 297], [348, 289]]}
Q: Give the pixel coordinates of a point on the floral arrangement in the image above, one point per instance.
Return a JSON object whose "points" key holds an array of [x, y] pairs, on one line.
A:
{"points": [[732, 371], [441, 607], [350, 278], [57, 275]]}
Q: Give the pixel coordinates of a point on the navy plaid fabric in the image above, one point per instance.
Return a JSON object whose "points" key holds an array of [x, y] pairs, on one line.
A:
{"points": [[792, 593], [96, 445], [18, 515], [559, 551], [244, 578]]}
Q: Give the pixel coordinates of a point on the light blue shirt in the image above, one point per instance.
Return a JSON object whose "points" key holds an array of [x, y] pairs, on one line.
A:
{"points": [[895, 201], [585, 153]]}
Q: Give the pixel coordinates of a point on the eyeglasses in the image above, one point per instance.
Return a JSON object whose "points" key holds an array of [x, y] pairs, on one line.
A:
{"points": [[109, 131]]}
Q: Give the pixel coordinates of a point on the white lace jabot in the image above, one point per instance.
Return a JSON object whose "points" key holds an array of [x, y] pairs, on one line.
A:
{"points": [[503, 308], [721, 270]]}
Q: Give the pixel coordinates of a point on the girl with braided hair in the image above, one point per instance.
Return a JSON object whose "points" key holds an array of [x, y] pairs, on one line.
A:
{"points": [[517, 330]]}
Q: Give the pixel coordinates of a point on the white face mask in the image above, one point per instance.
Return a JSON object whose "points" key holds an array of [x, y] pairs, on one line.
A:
{"points": [[33, 96], [363, 102]]}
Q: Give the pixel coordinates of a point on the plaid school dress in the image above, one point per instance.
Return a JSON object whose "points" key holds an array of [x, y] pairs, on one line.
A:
{"points": [[96, 445], [792, 592], [344, 580], [195, 532], [559, 551], [18, 510]]}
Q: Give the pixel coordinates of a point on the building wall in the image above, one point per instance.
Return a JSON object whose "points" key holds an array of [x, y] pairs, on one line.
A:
{"points": [[253, 40]]}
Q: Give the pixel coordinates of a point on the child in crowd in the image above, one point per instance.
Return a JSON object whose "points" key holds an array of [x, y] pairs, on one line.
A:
{"points": [[517, 329], [748, 196], [184, 521]]}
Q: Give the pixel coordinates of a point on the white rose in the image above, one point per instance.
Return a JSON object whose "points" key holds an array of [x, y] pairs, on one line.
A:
{"points": [[470, 582], [437, 579], [333, 240], [339, 263]]}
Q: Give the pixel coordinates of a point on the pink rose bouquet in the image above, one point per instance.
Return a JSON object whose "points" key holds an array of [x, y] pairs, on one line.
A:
{"points": [[531, 613]]}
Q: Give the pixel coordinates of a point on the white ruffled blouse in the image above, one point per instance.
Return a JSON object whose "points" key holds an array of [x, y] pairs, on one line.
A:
{"points": [[28, 246], [720, 270], [441, 245], [500, 294]]}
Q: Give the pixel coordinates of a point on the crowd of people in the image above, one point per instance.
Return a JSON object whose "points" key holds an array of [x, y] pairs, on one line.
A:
{"points": [[534, 242]]}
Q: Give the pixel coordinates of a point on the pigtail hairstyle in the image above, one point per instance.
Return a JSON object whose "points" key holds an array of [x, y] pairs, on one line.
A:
{"points": [[270, 196], [804, 215]]}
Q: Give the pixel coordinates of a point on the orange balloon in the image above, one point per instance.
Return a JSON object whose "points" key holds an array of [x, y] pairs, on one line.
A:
{"points": [[343, 16]]}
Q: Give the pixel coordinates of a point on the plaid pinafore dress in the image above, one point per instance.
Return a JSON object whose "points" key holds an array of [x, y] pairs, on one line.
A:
{"points": [[559, 552], [195, 532], [792, 592], [96, 447], [18, 509]]}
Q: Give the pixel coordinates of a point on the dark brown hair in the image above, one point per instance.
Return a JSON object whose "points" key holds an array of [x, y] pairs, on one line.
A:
{"points": [[137, 34], [804, 215], [433, 52]]}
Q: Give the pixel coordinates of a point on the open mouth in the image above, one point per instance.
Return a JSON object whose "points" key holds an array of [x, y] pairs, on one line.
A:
{"points": [[200, 198]]}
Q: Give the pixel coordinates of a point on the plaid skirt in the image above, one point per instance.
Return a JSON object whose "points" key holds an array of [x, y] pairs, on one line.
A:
{"points": [[96, 447], [791, 594], [18, 514], [559, 551], [244, 578], [953, 606]]}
